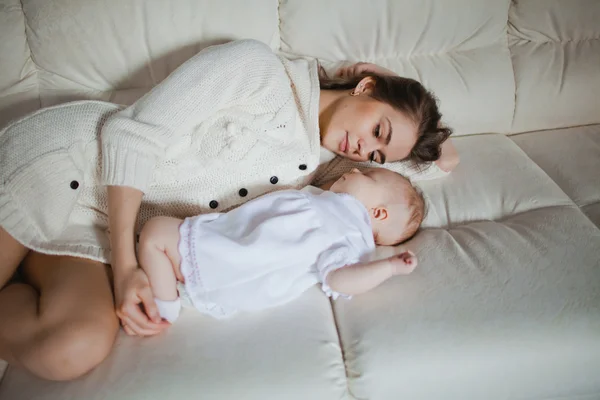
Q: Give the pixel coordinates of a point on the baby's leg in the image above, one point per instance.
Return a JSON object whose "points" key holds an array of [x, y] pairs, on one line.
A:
{"points": [[159, 258]]}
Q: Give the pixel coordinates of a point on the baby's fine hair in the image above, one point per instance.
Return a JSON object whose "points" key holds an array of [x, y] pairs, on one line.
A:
{"points": [[402, 190]]}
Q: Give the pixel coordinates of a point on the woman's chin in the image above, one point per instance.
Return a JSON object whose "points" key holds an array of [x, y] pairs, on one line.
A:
{"points": [[327, 146]]}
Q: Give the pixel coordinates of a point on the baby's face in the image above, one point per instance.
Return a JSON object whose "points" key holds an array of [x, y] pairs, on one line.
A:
{"points": [[386, 196], [370, 187]]}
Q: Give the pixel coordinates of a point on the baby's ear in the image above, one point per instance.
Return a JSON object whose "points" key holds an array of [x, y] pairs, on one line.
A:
{"points": [[379, 213]]}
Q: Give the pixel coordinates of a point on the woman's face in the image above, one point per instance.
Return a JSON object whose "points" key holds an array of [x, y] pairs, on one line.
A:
{"points": [[363, 129]]}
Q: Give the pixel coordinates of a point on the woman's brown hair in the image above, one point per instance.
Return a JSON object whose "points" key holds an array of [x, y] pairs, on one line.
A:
{"points": [[409, 97]]}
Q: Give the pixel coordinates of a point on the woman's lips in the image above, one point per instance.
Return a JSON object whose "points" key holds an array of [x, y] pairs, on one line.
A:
{"points": [[344, 144]]}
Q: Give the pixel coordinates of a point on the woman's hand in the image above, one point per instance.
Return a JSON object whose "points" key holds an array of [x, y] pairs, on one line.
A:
{"points": [[133, 297], [361, 68], [449, 158], [135, 304]]}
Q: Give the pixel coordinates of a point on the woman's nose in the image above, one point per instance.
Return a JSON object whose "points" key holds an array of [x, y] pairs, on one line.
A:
{"points": [[366, 147], [362, 148]]}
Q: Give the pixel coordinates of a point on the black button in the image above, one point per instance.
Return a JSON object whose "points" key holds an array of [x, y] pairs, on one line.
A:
{"points": [[243, 192], [74, 185], [302, 167], [274, 180], [213, 204]]}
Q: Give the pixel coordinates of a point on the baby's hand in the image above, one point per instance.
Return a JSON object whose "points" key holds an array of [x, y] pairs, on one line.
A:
{"points": [[403, 263]]}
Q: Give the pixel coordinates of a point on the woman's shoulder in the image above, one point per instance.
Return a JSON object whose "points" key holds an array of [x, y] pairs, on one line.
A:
{"points": [[252, 45], [258, 67], [251, 51]]}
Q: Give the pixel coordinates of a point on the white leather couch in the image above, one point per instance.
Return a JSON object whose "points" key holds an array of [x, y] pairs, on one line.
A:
{"points": [[506, 301]]}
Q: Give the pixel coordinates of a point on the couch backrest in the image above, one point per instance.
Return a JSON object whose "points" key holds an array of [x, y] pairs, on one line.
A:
{"points": [[496, 66], [555, 47]]}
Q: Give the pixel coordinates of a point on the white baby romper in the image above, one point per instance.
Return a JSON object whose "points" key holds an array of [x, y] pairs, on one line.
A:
{"points": [[271, 249]]}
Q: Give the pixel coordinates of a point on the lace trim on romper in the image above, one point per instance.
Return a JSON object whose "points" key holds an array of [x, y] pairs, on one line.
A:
{"points": [[190, 269]]}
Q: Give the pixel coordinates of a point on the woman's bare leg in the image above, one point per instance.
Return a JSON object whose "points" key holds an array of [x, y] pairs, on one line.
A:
{"points": [[63, 323], [11, 255]]}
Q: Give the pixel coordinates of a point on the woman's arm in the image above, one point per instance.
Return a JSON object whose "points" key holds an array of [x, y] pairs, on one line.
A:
{"points": [[136, 138], [123, 207], [360, 278], [132, 289]]}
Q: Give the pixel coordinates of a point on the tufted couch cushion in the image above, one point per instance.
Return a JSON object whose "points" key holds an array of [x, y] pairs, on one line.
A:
{"points": [[464, 60], [571, 157], [555, 46], [506, 302], [19, 89]]}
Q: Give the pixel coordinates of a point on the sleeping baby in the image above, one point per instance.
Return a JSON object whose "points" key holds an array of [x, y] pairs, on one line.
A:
{"points": [[271, 249]]}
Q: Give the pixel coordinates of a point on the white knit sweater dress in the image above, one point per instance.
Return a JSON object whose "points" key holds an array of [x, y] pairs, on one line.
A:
{"points": [[232, 123]]}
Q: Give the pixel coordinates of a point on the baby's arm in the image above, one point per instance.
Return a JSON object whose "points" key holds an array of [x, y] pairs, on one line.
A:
{"points": [[360, 278], [159, 258]]}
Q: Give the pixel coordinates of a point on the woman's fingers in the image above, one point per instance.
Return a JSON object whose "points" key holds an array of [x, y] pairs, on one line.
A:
{"points": [[130, 327], [137, 293], [354, 69], [361, 68], [128, 330], [137, 330], [344, 72], [150, 305], [135, 314]]}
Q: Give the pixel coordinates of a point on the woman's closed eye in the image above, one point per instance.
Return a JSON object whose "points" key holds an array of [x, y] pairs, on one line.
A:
{"points": [[377, 135]]}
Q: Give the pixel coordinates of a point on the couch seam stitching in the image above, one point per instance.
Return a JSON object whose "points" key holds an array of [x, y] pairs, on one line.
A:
{"points": [[508, 217], [37, 67], [512, 66], [548, 129], [590, 203], [409, 57], [339, 340], [522, 39], [278, 25]]}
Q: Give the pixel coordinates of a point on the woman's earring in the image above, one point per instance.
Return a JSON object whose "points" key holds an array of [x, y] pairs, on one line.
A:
{"points": [[354, 93]]}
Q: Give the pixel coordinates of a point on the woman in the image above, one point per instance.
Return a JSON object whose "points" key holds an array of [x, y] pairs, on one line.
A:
{"points": [[232, 123]]}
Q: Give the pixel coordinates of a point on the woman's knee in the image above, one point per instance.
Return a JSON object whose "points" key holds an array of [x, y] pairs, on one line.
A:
{"points": [[72, 349]]}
